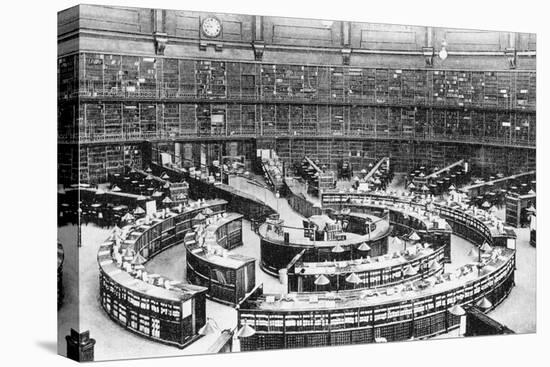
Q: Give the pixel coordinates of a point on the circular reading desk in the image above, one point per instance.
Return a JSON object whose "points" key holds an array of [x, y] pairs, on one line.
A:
{"points": [[395, 309], [228, 277], [418, 262], [277, 252], [151, 305]]}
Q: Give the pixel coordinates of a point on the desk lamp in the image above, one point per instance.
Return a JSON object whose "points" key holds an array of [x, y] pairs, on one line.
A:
{"points": [[353, 279], [210, 327], [364, 247], [457, 310], [410, 271], [484, 304], [321, 280], [245, 331]]}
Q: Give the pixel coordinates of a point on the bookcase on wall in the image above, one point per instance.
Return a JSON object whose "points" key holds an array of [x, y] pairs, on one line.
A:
{"points": [[68, 167], [169, 115], [351, 101], [143, 77], [96, 162], [83, 174], [112, 120], [405, 155], [131, 126], [123, 98], [67, 81], [148, 120], [211, 79]]}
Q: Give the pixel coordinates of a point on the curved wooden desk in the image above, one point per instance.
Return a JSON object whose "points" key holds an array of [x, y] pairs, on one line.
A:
{"points": [[276, 253], [228, 277], [170, 313], [301, 320], [237, 201], [474, 225], [381, 271], [397, 312]]}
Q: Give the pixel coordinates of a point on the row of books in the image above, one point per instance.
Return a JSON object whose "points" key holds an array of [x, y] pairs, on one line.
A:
{"points": [[115, 75]]}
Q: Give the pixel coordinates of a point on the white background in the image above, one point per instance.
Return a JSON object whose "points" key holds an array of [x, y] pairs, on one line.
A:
{"points": [[28, 120]]}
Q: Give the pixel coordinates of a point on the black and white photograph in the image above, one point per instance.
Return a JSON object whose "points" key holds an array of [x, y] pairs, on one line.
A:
{"points": [[240, 182]]}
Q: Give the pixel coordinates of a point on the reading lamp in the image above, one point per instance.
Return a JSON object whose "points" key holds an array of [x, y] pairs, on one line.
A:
{"points": [[484, 303], [245, 331], [210, 327], [458, 311]]}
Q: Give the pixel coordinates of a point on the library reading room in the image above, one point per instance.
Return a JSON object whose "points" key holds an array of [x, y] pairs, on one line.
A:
{"points": [[232, 182]]}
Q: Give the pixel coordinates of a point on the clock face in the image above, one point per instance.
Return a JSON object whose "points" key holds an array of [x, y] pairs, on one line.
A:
{"points": [[211, 27]]}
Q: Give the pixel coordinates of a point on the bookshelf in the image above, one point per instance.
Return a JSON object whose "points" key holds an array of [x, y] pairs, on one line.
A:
{"points": [[234, 116], [112, 75], [130, 120], [143, 77], [123, 98], [148, 120], [114, 159], [98, 161], [282, 119], [234, 86], [170, 120], [508, 127], [211, 79], [296, 119], [187, 75], [113, 118], [169, 78], [130, 76], [406, 155], [83, 174], [67, 71]]}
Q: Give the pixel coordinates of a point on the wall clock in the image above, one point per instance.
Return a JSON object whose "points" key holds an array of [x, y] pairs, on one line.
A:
{"points": [[211, 27]]}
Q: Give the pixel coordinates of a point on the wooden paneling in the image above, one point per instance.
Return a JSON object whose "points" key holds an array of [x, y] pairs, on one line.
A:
{"points": [[527, 42], [115, 18], [187, 24], [387, 36], [67, 20], [289, 31], [471, 40], [301, 32], [236, 27]]}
